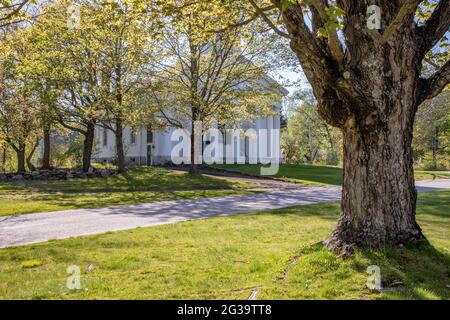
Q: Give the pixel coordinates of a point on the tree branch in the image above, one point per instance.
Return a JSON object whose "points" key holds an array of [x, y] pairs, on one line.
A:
{"points": [[11, 143], [14, 11], [431, 63], [431, 87], [436, 26], [333, 42], [308, 49], [261, 13], [246, 21], [408, 8]]}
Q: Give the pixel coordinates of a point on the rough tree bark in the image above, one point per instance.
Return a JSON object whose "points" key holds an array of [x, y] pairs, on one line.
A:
{"points": [[379, 197]]}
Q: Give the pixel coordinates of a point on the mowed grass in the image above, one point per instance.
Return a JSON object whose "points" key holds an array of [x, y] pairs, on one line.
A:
{"points": [[226, 258], [314, 174], [138, 185], [431, 175], [301, 173]]}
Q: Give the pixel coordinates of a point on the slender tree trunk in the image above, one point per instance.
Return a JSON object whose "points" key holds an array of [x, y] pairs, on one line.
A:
{"points": [[121, 167], [4, 158], [29, 159], [194, 80], [46, 153], [194, 166], [434, 147], [379, 196], [88, 146], [21, 158], [310, 148]]}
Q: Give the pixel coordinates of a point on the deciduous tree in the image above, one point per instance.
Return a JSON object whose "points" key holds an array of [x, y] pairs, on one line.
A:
{"points": [[214, 78], [367, 78], [307, 137], [71, 59], [432, 131], [125, 40], [18, 120], [19, 102]]}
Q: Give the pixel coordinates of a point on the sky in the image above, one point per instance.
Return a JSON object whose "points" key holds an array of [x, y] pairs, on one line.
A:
{"points": [[298, 80]]}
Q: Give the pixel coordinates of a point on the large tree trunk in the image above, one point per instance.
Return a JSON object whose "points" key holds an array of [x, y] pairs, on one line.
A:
{"points": [[88, 146], [121, 167], [46, 154], [371, 93], [378, 197], [21, 158]]}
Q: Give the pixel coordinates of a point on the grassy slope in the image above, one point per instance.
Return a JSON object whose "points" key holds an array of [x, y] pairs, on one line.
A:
{"points": [[136, 186], [318, 175], [226, 257]]}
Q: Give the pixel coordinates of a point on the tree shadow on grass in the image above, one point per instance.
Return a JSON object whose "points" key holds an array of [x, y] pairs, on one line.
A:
{"points": [[416, 271], [434, 203]]}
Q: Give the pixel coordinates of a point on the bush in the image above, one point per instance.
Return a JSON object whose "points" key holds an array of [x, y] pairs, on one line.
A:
{"points": [[425, 162]]}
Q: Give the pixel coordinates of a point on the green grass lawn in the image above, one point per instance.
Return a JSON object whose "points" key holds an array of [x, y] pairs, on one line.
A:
{"points": [[431, 175], [314, 174], [138, 185], [225, 258]]}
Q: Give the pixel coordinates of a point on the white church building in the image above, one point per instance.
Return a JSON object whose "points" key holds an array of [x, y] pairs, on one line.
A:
{"points": [[147, 147], [144, 146]]}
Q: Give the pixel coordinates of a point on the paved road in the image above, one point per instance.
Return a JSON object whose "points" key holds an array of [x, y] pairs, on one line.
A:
{"points": [[433, 185], [40, 227]]}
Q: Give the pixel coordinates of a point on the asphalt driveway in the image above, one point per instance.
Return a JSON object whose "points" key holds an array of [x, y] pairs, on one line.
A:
{"points": [[40, 227]]}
